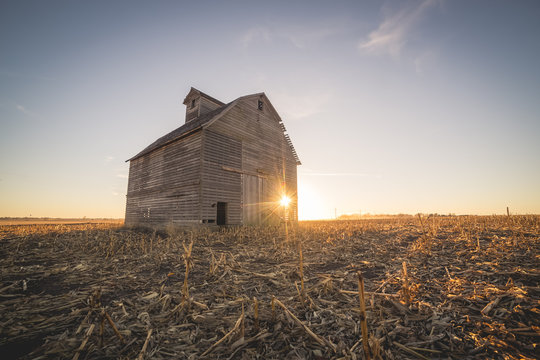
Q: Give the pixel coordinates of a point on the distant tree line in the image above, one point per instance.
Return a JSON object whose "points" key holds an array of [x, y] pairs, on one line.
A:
{"points": [[385, 216]]}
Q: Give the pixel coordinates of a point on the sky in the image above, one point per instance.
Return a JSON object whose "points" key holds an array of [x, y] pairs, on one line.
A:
{"points": [[393, 106]]}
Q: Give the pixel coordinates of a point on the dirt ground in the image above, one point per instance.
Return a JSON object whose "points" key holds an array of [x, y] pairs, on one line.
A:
{"points": [[434, 288]]}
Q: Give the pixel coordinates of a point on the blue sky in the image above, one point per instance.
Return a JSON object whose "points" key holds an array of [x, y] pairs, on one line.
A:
{"points": [[393, 106]]}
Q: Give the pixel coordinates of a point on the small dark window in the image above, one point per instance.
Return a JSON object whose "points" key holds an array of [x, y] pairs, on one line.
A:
{"points": [[260, 105], [192, 103]]}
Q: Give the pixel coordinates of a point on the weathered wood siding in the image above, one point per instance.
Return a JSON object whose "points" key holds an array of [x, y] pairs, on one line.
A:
{"points": [[252, 199], [221, 155], [206, 105], [164, 185], [241, 157], [265, 153]]}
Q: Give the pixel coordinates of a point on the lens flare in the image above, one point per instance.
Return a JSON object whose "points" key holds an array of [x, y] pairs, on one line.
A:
{"points": [[284, 201]]}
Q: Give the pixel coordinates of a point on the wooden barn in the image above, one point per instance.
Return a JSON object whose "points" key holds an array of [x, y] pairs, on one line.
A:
{"points": [[229, 164]]}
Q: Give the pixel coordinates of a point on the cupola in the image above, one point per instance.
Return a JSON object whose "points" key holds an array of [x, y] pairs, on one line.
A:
{"points": [[198, 103]]}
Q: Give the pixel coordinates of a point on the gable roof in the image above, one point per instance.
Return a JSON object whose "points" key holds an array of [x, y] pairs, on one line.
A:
{"points": [[206, 120]]}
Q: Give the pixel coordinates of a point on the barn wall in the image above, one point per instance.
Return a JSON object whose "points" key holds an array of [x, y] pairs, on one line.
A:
{"points": [[221, 154], [164, 185], [265, 154]]}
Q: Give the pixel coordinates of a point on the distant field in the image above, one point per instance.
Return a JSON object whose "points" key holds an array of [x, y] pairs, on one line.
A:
{"points": [[436, 288], [53, 221]]}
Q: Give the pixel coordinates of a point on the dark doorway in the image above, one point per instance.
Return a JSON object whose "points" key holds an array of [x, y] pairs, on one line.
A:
{"points": [[221, 213]]}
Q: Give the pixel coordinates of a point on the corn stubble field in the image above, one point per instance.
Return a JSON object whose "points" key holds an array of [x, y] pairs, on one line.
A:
{"points": [[438, 287]]}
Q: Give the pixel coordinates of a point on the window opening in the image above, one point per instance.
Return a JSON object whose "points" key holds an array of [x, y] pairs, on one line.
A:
{"points": [[221, 213], [260, 105]]}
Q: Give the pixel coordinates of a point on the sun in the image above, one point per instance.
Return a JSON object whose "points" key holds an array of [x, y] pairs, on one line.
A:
{"points": [[285, 201]]}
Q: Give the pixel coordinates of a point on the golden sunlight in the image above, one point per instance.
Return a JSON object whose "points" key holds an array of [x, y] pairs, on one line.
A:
{"points": [[285, 201]]}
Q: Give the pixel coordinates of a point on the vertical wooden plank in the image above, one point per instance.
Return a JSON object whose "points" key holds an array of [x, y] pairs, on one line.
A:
{"points": [[201, 171]]}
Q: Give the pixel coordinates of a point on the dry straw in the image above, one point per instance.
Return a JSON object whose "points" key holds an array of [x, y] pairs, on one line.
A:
{"points": [[477, 299]]}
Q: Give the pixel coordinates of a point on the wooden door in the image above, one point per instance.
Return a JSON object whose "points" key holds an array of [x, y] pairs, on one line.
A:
{"points": [[221, 218]]}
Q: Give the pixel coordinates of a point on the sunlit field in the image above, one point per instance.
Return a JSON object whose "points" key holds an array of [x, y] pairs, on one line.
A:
{"points": [[434, 287]]}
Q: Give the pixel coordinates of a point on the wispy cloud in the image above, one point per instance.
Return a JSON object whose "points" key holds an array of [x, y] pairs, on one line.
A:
{"points": [[24, 110], [393, 33], [109, 158], [122, 176]]}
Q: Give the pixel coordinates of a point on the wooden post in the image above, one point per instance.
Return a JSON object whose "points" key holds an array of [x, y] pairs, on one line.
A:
{"points": [[507, 211]]}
